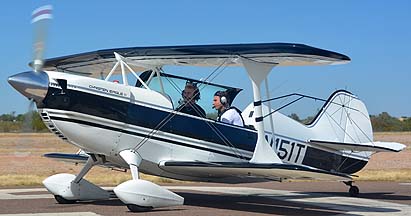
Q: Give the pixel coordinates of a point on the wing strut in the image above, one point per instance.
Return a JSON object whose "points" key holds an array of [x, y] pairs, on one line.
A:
{"points": [[258, 71], [123, 62]]}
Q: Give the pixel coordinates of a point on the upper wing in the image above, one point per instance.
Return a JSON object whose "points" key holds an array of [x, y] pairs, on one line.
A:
{"points": [[99, 63], [245, 169]]}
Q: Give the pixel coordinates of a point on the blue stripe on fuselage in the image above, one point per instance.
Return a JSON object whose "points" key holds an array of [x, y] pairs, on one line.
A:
{"points": [[139, 115]]}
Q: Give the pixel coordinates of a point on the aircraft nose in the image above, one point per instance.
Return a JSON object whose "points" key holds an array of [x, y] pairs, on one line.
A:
{"points": [[33, 85]]}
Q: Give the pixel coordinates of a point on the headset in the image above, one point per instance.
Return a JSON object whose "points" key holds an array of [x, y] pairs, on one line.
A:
{"points": [[196, 92], [223, 100], [223, 97]]}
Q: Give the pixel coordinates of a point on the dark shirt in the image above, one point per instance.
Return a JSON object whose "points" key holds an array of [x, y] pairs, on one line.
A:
{"points": [[192, 109]]}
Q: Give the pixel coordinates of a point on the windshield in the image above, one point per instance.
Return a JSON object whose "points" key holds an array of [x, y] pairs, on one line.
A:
{"points": [[174, 85]]}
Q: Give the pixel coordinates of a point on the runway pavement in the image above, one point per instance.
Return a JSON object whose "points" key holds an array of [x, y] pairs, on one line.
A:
{"points": [[291, 198]]}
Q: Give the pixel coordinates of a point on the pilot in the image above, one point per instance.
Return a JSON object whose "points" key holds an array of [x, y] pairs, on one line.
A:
{"points": [[226, 113], [190, 95]]}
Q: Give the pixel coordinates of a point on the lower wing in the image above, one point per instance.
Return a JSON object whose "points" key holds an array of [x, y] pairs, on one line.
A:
{"points": [[245, 169], [79, 157]]}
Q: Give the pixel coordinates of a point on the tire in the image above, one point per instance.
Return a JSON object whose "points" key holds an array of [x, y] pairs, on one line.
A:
{"points": [[354, 191], [62, 200], [137, 208]]}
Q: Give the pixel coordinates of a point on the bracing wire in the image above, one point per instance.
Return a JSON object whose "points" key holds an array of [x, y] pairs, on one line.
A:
{"points": [[301, 97], [161, 124]]}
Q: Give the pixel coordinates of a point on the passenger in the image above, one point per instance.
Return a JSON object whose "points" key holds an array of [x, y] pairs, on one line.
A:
{"points": [[226, 113], [190, 95]]}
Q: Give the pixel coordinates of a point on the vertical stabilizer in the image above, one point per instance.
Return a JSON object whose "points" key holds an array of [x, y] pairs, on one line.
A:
{"points": [[343, 118]]}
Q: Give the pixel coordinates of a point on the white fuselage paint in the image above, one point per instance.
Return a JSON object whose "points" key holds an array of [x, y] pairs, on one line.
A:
{"points": [[154, 151]]}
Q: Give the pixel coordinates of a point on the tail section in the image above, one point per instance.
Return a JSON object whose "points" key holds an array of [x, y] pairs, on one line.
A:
{"points": [[343, 119]]}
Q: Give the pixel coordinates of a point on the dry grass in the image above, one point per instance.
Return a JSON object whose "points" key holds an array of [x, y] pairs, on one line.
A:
{"points": [[20, 180], [385, 175], [22, 164], [99, 179]]}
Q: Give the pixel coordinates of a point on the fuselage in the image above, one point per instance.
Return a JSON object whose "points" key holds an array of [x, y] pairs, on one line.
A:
{"points": [[105, 118]]}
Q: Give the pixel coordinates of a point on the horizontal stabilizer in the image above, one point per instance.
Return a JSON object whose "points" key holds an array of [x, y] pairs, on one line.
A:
{"points": [[72, 158], [370, 146], [245, 169]]}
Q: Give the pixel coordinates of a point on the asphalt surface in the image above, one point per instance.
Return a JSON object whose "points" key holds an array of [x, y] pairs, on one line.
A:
{"points": [[288, 198]]}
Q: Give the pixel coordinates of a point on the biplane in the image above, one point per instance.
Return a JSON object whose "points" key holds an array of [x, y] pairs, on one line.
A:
{"points": [[132, 123]]}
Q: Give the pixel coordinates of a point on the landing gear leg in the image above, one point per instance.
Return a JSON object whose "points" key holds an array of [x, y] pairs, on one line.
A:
{"points": [[92, 161], [354, 191], [141, 195], [68, 188]]}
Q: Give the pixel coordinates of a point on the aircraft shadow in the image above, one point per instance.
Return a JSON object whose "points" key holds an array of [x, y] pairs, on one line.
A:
{"points": [[117, 202], [255, 204], [374, 196], [281, 205], [268, 204]]}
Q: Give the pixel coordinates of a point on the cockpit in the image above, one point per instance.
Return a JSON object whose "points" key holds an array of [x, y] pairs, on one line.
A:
{"points": [[172, 86]]}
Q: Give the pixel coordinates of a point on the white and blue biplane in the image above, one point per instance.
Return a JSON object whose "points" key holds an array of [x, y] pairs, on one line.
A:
{"points": [[134, 125]]}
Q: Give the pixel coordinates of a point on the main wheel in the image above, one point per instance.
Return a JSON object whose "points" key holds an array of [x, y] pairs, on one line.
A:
{"points": [[354, 191], [137, 208], [62, 200]]}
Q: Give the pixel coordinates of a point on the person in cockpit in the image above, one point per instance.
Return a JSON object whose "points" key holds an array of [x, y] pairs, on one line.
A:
{"points": [[226, 113], [190, 95]]}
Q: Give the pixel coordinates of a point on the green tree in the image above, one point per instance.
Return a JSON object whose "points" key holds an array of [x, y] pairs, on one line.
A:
{"points": [[27, 122], [406, 124], [8, 117], [37, 123], [295, 117], [385, 122], [308, 120]]}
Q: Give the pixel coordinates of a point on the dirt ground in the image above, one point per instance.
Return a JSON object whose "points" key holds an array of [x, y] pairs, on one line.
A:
{"points": [[388, 160], [22, 153], [22, 163], [21, 159]]}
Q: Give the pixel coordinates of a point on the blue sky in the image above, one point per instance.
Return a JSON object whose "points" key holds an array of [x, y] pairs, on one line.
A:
{"points": [[375, 34]]}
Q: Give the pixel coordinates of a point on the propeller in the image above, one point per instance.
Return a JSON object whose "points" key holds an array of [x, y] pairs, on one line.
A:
{"points": [[23, 142], [40, 19], [27, 126], [33, 84]]}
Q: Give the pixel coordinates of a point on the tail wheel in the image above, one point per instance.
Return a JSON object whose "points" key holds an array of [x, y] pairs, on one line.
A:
{"points": [[137, 208], [62, 200], [354, 191]]}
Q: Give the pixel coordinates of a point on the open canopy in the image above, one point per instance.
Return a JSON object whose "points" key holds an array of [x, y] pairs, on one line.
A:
{"points": [[99, 63]]}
